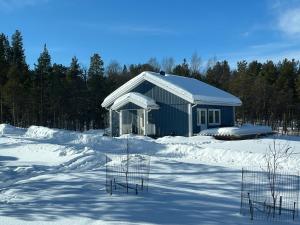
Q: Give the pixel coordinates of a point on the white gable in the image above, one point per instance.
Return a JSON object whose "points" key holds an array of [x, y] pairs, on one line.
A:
{"points": [[137, 99], [192, 90]]}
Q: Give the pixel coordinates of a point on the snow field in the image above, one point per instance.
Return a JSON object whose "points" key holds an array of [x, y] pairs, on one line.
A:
{"points": [[52, 176]]}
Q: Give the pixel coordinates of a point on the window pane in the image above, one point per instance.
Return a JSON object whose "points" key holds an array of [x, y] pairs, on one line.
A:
{"points": [[217, 116], [203, 117], [211, 116]]}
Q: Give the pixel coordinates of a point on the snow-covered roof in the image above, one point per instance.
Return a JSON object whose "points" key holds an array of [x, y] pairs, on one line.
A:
{"points": [[135, 98], [190, 89]]}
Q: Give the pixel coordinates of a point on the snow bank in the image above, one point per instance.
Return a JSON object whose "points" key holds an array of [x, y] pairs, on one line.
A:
{"points": [[93, 139], [237, 131], [38, 132], [6, 129]]}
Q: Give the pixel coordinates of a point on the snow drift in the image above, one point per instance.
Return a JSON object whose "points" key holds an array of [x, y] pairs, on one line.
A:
{"points": [[244, 130], [6, 129]]}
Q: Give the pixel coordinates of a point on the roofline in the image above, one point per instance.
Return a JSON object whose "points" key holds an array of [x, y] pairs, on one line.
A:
{"points": [[218, 103], [152, 78], [172, 88]]}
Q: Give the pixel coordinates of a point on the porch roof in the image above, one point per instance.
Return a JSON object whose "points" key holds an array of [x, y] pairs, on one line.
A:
{"points": [[135, 98]]}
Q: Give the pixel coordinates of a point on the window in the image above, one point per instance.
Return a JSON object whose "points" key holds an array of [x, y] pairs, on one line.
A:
{"points": [[214, 116], [201, 117], [211, 116]]}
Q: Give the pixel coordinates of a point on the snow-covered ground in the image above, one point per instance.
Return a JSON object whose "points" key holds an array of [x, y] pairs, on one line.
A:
{"points": [[51, 176]]}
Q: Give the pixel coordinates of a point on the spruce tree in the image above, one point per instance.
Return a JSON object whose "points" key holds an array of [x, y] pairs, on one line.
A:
{"points": [[96, 66], [96, 87], [17, 52], [74, 70], [4, 67], [42, 71]]}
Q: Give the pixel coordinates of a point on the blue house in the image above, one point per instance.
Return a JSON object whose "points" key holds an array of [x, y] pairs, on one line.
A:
{"points": [[159, 104]]}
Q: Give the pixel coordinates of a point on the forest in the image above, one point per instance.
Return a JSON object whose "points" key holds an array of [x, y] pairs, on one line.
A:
{"points": [[69, 97]]}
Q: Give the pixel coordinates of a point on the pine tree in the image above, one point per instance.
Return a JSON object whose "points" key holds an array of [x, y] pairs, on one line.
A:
{"points": [[17, 87], [4, 67], [74, 70], [219, 75], [96, 87], [42, 71], [96, 66], [17, 53], [182, 69]]}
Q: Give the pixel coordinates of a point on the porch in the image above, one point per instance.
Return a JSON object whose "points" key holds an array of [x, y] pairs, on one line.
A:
{"points": [[133, 111]]}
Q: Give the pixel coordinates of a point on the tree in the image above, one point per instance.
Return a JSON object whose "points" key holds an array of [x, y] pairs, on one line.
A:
{"points": [[13, 93], [182, 69], [96, 91], [74, 70], [219, 75], [154, 64], [42, 71], [96, 66], [195, 64], [17, 87], [274, 157], [4, 67], [167, 64], [113, 68], [17, 53]]}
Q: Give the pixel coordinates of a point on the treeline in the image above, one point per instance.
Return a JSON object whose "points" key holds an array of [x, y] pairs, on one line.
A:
{"points": [[70, 97]]}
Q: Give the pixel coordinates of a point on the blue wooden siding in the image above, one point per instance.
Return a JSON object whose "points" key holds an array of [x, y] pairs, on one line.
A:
{"points": [[171, 118], [227, 117], [115, 124]]}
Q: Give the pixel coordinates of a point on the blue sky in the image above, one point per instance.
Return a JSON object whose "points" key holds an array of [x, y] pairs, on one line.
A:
{"points": [[132, 31]]}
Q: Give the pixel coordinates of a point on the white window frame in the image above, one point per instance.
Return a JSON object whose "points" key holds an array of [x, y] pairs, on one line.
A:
{"points": [[214, 116], [199, 110]]}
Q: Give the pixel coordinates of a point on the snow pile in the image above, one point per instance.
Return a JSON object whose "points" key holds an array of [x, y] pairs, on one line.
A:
{"points": [[88, 161], [39, 132], [238, 131], [6, 129]]}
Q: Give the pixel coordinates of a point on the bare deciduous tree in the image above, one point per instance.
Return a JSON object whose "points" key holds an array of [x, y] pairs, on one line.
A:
{"points": [[113, 68], [154, 63], [274, 157], [167, 64], [196, 62]]}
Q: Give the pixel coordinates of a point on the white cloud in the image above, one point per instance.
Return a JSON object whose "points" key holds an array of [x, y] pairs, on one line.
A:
{"points": [[10, 5], [289, 22]]}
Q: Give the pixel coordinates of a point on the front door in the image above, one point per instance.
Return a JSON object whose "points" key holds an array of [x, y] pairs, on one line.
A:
{"points": [[202, 118]]}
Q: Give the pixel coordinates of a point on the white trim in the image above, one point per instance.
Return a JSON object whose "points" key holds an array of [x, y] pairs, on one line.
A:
{"points": [[190, 119], [120, 122], [135, 98], [158, 80], [199, 110], [145, 122], [110, 121], [214, 119]]}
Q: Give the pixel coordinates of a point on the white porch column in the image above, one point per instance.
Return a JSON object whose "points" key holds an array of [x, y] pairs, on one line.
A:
{"points": [[110, 121], [120, 122], [190, 119], [145, 122]]}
